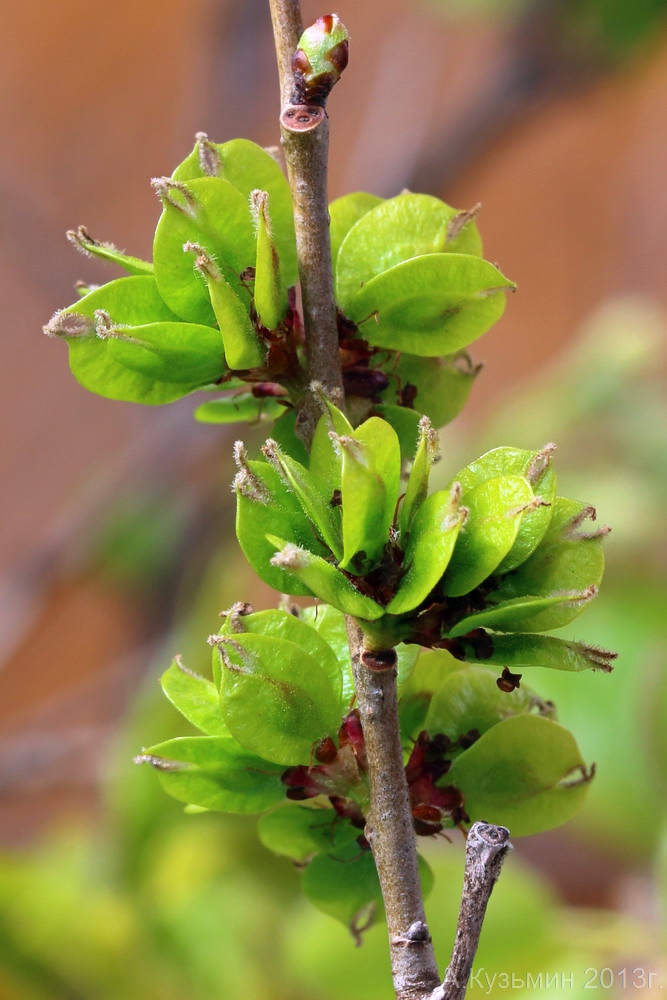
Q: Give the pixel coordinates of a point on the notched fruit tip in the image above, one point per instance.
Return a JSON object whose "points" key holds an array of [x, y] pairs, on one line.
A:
{"points": [[325, 394], [259, 202], [237, 610], [428, 431], [186, 670], [234, 615], [349, 445], [485, 293], [176, 194], [578, 597], [602, 659], [83, 241], [66, 324], [160, 763], [104, 327], [463, 363], [240, 455], [209, 157], [540, 463], [204, 262], [457, 515], [571, 530], [461, 219], [291, 557], [223, 643], [247, 485], [581, 776], [272, 453], [525, 508]]}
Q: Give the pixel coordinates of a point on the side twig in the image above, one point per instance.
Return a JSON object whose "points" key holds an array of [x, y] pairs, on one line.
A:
{"points": [[306, 157], [389, 828], [486, 849]]}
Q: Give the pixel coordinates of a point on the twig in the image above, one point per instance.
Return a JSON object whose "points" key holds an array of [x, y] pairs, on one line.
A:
{"points": [[306, 156], [287, 28], [486, 849], [390, 829]]}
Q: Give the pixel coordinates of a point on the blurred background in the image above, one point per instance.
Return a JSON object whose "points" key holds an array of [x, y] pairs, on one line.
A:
{"points": [[116, 542]]}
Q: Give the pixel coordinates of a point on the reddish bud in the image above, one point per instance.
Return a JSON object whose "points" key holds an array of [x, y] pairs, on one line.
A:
{"points": [[325, 751], [348, 809], [319, 60], [264, 390], [301, 783], [351, 734]]}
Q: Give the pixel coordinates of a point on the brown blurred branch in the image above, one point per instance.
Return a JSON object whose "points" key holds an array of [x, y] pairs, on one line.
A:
{"points": [[541, 61]]}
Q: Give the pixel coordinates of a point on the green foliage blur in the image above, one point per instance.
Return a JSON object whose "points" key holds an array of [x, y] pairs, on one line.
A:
{"points": [[611, 28], [161, 905]]}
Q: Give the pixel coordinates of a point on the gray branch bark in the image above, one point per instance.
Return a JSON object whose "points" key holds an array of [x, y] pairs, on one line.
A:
{"points": [[486, 849], [306, 157], [390, 829]]}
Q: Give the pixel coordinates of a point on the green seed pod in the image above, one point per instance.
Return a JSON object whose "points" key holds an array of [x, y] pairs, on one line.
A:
{"points": [[370, 481], [83, 241], [323, 580], [417, 488], [319, 60], [325, 457], [432, 538], [243, 348], [495, 510], [270, 292], [325, 519], [264, 506]]}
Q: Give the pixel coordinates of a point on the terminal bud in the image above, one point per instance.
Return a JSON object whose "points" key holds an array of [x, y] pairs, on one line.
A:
{"points": [[319, 60]]}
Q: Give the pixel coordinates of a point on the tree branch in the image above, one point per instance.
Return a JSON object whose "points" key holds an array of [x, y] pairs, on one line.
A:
{"points": [[390, 829], [306, 156], [486, 849]]}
